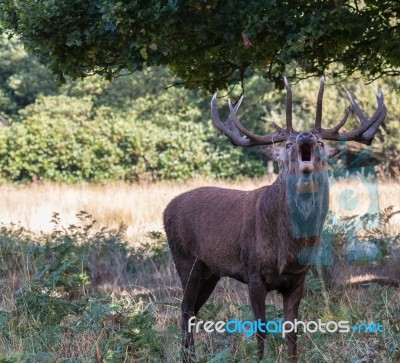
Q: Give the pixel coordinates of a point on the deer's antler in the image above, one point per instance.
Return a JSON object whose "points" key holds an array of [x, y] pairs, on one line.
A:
{"points": [[363, 134], [240, 136]]}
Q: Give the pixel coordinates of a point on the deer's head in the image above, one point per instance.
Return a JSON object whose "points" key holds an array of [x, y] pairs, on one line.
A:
{"points": [[303, 152]]}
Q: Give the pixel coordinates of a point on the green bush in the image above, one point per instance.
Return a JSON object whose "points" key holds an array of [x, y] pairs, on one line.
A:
{"points": [[138, 127], [67, 139]]}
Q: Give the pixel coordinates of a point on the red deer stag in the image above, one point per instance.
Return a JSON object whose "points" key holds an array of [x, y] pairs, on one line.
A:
{"points": [[256, 236]]}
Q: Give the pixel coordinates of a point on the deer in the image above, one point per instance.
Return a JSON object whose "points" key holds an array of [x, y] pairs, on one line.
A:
{"points": [[256, 237]]}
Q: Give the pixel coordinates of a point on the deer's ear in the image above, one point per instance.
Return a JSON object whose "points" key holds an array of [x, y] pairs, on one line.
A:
{"points": [[331, 152], [274, 152]]}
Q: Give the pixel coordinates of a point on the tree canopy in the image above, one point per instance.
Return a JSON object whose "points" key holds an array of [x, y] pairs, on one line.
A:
{"points": [[210, 44]]}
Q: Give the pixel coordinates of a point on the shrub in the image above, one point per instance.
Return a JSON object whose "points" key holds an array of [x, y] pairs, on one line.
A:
{"points": [[59, 309]]}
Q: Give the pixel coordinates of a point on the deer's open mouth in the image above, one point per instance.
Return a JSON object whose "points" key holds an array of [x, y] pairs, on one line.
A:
{"points": [[306, 156], [305, 152]]}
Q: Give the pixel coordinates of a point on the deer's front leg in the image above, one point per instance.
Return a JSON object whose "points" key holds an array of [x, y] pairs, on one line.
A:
{"points": [[291, 302], [257, 294]]}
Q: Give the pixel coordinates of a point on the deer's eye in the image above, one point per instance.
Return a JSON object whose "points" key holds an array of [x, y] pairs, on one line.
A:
{"points": [[320, 143], [289, 145]]}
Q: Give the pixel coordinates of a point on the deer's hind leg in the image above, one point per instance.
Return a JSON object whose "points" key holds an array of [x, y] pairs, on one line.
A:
{"points": [[189, 270], [206, 287]]}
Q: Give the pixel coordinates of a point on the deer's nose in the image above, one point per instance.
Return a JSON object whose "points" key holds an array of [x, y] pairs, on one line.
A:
{"points": [[306, 138]]}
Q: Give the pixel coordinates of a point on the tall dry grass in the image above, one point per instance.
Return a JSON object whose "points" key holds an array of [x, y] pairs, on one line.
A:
{"points": [[139, 206]]}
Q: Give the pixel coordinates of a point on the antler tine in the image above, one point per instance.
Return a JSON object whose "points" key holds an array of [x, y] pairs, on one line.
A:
{"points": [[318, 115], [234, 109], [289, 127], [367, 136], [340, 124], [343, 120], [226, 128], [366, 132], [277, 127], [359, 113], [233, 129]]}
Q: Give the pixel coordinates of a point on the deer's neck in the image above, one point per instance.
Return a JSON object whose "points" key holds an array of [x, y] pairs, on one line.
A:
{"points": [[293, 212], [307, 199], [294, 206]]}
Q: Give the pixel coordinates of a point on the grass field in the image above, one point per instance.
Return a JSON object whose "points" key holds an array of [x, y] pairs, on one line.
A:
{"points": [[138, 206], [79, 292]]}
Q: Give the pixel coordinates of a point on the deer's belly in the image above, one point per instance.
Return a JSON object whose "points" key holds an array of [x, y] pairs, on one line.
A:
{"points": [[283, 282]]}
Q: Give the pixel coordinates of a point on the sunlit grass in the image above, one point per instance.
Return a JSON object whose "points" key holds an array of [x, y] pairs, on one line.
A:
{"points": [[138, 206]]}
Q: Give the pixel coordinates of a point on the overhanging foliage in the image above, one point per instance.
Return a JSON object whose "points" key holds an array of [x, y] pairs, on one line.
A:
{"points": [[210, 44]]}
